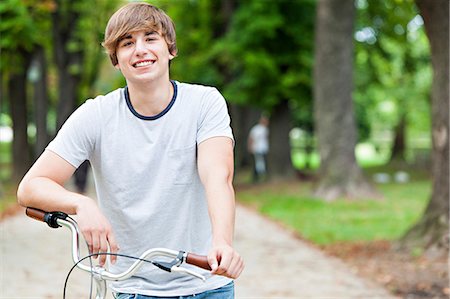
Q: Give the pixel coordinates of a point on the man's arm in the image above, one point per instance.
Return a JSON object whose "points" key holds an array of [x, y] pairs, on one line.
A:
{"points": [[215, 166], [43, 188]]}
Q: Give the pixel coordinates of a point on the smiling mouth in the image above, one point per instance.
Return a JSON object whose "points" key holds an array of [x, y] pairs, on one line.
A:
{"points": [[143, 63]]}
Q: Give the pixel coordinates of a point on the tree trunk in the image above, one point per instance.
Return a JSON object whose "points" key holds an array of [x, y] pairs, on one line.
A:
{"points": [[279, 157], [67, 96], [432, 230], [17, 89], [399, 144], [68, 61], [41, 102], [340, 176], [242, 119]]}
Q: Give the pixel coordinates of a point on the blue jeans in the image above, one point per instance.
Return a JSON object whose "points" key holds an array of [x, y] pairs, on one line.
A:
{"points": [[225, 292]]}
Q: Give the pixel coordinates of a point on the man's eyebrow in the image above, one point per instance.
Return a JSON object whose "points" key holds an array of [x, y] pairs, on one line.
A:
{"points": [[126, 36], [151, 33]]}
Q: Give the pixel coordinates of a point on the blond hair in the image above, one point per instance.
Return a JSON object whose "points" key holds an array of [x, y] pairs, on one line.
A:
{"points": [[136, 17]]}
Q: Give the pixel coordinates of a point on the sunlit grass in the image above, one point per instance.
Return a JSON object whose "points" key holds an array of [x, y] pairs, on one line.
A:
{"points": [[366, 155], [342, 220]]}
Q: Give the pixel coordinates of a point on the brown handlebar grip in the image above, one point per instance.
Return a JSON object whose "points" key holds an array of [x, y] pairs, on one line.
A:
{"points": [[35, 214], [198, 260]]}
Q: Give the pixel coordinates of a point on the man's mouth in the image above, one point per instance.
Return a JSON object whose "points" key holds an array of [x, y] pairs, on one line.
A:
{"points": [[143, 63]]}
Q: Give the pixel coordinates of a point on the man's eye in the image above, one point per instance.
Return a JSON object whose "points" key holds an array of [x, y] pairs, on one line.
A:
{"points": [[126, 44]]}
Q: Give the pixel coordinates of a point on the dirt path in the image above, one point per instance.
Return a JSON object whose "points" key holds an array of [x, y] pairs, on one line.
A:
{"points": [[35, 259]]}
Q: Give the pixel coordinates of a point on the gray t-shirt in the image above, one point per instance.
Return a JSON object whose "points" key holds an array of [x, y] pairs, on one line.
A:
{"points": [[146, 177]]}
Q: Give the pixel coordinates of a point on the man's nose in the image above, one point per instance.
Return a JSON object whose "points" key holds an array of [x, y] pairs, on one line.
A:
{"points": [[140, 47]]}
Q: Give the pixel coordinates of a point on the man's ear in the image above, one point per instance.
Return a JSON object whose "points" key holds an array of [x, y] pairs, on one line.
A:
{"points": [[172, 55]]}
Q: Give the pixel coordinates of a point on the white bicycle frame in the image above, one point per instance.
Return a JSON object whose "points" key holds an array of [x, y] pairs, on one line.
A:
{"points": [[100, 274]]}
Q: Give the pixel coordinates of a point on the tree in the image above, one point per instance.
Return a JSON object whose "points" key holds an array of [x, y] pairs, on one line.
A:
{"points": [[25, 42], [68, 56], [40, 99], [392, 73], [269, 52], [432, 230], [18, 20], [77, 34], [335, 126]]}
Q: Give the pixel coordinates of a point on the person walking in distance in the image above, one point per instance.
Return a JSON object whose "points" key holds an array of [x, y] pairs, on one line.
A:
{"points": [[161, 153], [258, 146]]}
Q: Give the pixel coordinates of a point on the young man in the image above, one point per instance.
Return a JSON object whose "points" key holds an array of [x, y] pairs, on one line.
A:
{"points": [[162, 158]]}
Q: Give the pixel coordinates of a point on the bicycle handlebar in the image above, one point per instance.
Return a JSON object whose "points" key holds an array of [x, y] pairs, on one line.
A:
{"points": [[48, 217], [58, 219], [200, 261], [35, 214]]}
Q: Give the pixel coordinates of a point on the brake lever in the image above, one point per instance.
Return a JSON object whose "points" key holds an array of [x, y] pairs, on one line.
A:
{"points": [[187, 271]]}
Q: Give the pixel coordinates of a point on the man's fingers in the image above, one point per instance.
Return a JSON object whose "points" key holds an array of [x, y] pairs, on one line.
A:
{"points": [[219, 262], [228, 263], [88, 238], [113, 247], [104, 249], [212, 261], [224, 265], [95, 244], [236, 267]]}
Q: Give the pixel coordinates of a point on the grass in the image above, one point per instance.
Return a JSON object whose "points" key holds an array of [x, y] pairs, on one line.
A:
{"points": [[7, 196], [366, 155], [5, 152], [8, 193], [342, 220]]}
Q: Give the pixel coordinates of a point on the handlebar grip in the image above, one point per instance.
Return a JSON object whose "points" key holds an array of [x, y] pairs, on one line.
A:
{"points": [[35, 214], [51, 218], [198, 260]]}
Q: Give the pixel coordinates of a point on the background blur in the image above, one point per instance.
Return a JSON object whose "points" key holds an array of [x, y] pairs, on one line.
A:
{"points": [[353, 90]]}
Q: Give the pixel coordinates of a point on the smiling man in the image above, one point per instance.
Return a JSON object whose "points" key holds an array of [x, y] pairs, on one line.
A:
{"points": [[162, 157]]}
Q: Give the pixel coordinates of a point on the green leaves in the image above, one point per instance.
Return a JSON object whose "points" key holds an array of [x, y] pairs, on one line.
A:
{"points": [[389, 65], [271, 58], [17, 32]]}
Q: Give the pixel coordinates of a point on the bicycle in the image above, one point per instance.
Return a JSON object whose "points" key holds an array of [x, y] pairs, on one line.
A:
{"points": [[100, 274]]}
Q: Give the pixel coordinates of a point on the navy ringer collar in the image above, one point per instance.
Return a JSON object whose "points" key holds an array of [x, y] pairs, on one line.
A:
{"points": [[153, 117]]}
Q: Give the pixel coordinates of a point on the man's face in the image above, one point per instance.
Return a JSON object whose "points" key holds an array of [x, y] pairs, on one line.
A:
{"points": [[143, 56]]}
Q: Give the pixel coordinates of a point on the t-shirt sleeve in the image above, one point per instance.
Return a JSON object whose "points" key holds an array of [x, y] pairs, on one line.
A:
{"points": [[214, 118], [75, 140]]}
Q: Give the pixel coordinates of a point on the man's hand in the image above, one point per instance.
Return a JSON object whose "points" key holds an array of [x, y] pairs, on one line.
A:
{"points": [[43, 188], [225, 261], [96, 230]]}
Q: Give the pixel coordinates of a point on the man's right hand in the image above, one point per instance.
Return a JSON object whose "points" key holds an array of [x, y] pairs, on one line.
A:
{"points": [[43, 188], [96, 229]]}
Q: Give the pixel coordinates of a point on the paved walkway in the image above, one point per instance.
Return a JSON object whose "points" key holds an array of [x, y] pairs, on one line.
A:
{"points": [[35, 259]]}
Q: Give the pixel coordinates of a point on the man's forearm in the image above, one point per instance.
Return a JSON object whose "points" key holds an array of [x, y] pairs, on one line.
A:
{"points": [[45, 194], [221, 206]]}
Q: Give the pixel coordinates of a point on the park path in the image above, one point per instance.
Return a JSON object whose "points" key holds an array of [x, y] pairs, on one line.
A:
{"points": [[35, 259]]}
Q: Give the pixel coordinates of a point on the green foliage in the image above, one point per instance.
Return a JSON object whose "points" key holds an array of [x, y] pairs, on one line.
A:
{"points": [[342, 220], [195, 40], [260, 56], [22, 27], [89, 36], [270, 54], [392, 65]]}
